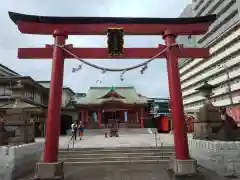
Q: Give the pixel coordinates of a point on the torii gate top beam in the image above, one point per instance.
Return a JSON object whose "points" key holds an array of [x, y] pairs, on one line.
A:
{"points": [[30, 24]]}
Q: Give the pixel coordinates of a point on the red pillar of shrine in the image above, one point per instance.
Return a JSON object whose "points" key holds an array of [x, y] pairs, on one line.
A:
{"points": [[55, 100], [86, 115], [180, 135], [99, 119], [141, 118]]}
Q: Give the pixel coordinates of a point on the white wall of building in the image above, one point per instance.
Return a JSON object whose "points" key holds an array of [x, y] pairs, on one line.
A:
{"points": [[66, 97], [66, 94], [222, 68]]}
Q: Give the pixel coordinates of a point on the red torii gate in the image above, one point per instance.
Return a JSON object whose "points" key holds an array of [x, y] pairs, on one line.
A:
{"points": [[61, 27]]}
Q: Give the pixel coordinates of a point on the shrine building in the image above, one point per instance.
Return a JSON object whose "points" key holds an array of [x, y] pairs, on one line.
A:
{"points": [[103, 103]]}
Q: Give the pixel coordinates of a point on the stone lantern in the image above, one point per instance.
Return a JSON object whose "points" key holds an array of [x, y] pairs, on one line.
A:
{"points": [[208, 121], [206, 90]]}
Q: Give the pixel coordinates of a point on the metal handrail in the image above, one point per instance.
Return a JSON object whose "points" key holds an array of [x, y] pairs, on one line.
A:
{"points": [[70, 141], [161, 145], [156, 139]]}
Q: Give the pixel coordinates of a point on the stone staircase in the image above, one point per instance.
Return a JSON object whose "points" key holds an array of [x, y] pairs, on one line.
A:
{"points": [[116, 156], [133, 131], [122, 131]]}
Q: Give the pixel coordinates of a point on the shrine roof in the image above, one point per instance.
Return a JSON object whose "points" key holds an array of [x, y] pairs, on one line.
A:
{"points": [[26, 80], [104, 20], [46, 84], [97, 96], [8, 70], [19, 105]]}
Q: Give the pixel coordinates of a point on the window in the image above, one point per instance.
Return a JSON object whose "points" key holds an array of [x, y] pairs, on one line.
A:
{"points": [[204, 8], [215, 7], [198, 4], [42, 99], [4, 91], [217, 27], [30, 95]]}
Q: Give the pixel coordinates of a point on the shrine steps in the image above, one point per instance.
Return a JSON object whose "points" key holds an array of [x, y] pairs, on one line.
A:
{"points": [[115, 162], [122, 130], [117, 150], [116, 156]]}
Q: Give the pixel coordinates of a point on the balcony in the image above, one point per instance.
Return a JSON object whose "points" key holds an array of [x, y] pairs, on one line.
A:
{"points": [[193, 99], [5, 94], [212, 62], [232, 37], [220, 80], [223, 102]]}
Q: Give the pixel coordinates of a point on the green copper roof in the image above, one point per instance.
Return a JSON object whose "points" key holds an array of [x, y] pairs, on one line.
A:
{"points": [[95, 94], [112, 89]]}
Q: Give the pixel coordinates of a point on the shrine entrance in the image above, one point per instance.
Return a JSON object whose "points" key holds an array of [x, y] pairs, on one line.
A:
{"points": [[65, 123], [120, 103], [112, 114], [115, 28]]}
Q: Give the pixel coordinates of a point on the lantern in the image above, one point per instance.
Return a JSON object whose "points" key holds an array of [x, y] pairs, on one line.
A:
{"points": [[206, 90]]}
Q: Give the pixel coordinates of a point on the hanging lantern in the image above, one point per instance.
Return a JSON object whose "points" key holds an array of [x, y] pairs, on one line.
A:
{"points": [[115, 41]]}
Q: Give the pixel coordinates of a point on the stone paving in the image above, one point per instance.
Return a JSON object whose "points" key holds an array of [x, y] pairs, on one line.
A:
{"points": [[125, 139], [121, 141]]}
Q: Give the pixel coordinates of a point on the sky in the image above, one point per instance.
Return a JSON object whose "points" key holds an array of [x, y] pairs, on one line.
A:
{"points": [[152, 83]]}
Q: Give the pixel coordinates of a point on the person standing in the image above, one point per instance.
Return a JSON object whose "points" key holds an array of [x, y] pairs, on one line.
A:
{"points": [[81, 130], [74, 130], [3, 133], [105, 119]]}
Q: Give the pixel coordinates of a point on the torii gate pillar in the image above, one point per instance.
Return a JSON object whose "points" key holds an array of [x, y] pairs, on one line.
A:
{"points": [[55, 100], [180, 135], [182, 164], [51, 167]]}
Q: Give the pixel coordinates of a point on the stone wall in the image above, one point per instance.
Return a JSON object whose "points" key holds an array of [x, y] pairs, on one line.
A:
{"points": [[16, 160], [223, 157]]}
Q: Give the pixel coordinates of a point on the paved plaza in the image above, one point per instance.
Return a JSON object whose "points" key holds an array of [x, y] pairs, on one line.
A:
{"points": [[99, 141], [130, 138]]}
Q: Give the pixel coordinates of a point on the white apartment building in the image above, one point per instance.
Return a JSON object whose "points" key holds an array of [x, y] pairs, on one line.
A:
{"points": [[222, 68]]}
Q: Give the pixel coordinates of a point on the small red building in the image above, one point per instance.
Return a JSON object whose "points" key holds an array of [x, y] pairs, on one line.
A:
{"points": [[164, 124]]}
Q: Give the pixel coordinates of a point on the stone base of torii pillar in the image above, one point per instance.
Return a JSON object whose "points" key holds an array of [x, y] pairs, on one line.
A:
{"points": [[49, 171], [183, 167]]}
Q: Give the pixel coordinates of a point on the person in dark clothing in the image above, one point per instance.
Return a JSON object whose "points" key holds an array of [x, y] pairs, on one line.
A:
{"points": [[229, 125], [229, 121], [105, 119], [3, 133]]}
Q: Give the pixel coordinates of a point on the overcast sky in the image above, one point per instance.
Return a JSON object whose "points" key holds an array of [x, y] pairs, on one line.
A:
{"points": [[152, 83]]}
